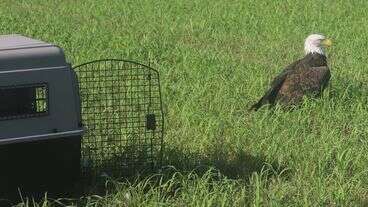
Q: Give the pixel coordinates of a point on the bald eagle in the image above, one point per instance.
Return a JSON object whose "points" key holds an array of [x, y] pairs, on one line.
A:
{"points": [[306, 76]]}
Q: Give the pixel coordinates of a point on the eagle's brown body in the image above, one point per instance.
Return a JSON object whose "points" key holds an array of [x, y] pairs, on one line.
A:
{"points": [[307, 76]]}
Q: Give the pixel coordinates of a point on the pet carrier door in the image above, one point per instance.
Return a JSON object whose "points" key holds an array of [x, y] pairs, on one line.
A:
{"points": [[122, 114]]}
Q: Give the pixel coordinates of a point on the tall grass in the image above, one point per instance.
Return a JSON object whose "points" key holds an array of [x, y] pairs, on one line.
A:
{"points": [[215, 59]]}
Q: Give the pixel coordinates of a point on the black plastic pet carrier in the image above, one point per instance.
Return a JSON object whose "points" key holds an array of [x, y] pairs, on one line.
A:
{"points": [[59, 124]]}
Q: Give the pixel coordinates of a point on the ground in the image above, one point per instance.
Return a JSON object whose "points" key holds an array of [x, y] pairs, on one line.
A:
{"points": [[215, 59]]}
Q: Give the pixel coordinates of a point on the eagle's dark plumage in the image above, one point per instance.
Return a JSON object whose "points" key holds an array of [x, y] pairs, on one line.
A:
{"points": [[307, 76]]}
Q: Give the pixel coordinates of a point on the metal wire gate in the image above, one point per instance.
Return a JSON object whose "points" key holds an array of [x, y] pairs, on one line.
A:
{"points": [[122, 114]]}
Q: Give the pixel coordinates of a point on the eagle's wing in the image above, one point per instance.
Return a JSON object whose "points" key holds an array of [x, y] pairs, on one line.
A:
{"points": [[326, 75], [271, 93]]}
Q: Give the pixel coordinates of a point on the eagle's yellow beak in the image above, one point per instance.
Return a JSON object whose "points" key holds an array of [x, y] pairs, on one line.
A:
{"points": [[326, 42]]}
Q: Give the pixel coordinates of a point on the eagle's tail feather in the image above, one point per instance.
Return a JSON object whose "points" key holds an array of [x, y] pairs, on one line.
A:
{"points": [[257, 105], [269, 96]]}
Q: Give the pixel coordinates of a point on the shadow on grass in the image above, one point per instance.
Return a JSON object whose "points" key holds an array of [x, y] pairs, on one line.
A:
{"points": [[233, 165], [237, 165], [217, 165]]}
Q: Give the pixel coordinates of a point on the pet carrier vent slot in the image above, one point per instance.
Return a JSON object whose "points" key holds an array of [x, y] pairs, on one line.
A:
{"points": [[23, 101]]}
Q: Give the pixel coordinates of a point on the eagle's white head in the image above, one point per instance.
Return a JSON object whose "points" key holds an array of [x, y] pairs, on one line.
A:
{"points": [[315, 43]]}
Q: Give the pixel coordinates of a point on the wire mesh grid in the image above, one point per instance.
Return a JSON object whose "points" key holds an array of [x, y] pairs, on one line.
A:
{"points": [[122, 113]]}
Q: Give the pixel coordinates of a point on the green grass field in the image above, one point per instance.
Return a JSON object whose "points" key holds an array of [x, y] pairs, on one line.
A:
{"points": [[215, 59]]}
